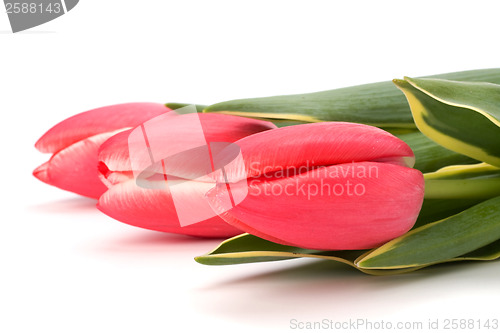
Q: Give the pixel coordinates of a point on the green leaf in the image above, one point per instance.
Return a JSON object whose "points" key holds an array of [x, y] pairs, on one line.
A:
{"points": [[488, 252], [282, 123], [246, 248], [475, 181], [461, 116], [439, 241], [470, 171], [437, 209], [434, 209], [378, 104], [462, 188], [430, 156]]}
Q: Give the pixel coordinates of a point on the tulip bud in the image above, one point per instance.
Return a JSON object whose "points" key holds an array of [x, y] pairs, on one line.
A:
{"points": [[74, 144], [158, 172], [325, 186]]}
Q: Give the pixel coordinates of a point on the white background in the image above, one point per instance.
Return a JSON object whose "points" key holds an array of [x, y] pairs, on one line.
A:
{"points": [[65, 267]]}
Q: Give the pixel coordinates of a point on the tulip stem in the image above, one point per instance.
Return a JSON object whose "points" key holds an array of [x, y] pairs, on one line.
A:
{"points": [[462, 188]]}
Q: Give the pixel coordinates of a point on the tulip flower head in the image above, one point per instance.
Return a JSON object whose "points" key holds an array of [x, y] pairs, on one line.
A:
{"points": [[325, 186], [158, 173], [74, 145]]}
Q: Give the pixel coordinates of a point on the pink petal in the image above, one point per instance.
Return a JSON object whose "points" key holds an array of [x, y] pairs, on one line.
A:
{"points": [[314, 210], [114, 153], [96, 121], [154, 209], [75, 168], [302, 147], [174, 136]]}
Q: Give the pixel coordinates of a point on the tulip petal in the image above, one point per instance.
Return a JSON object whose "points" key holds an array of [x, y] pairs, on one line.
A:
{"points": [[96, 121], [75, 168], [330, 208], [41, 172], [114, 153], [307, 146], [174, 135], [154, 209]]}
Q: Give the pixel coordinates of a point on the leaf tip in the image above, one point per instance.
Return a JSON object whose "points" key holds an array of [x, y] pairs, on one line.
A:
{"points": [[402, 84], [398, 82], [200, 259]]}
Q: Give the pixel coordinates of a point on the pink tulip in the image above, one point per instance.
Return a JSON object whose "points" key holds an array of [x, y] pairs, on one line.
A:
{"points": [[325, 186], [75, 141], [152, 206]]}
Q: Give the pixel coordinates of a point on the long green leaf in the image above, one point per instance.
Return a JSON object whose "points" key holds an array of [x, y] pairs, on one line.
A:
{"points": [[378, 104], [246, 248], [461, 116], [439, 241], [486, 253]]}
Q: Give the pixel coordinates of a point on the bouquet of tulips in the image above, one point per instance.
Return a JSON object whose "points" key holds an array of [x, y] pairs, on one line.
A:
{"points": [[386, 180]]}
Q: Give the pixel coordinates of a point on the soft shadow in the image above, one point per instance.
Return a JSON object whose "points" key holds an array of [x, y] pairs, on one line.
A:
{"points": [[65, 206], [149, 242], [310, 272], [311, 289], [321, 269], [315, 274]]}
